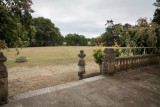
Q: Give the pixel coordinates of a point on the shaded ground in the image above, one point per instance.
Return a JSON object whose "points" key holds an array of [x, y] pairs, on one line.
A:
{"points": [[136, 88], [23, 79]]}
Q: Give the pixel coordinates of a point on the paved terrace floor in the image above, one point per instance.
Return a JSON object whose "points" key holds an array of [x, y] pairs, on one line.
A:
{"points": [[135, 88]]}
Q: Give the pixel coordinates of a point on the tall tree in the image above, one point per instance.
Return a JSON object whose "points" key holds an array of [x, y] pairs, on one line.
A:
{"points": [[156, 16], [75, 40], [145, 35], [15, 20], [47, 34], [156, 19], [111, 35]]}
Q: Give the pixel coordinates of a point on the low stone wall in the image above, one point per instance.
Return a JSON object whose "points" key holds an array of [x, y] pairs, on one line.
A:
{"points": [[126, 63], [112, 64]]}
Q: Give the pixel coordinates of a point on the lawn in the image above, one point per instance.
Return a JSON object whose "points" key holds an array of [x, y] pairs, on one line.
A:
{"points": [[46, 66], [42, 56]]}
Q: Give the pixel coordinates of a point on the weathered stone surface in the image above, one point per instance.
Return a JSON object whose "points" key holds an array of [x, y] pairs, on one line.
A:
{"points": [[108, 61], [136, 88], [81, 56], [3, 80], [81, 64]]}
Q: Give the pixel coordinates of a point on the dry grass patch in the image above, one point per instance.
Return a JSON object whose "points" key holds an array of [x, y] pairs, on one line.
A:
{"points": [[46, 66], [44, 56]]}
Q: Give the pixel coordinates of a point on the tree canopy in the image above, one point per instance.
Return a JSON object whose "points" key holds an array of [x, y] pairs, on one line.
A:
{"points": [[47, 34], [156, 16], [75, 40], [15, 21], [143, 34], [18, 28]]}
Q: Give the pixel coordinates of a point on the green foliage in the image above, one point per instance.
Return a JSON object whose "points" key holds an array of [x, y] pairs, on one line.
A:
{"points": [[75, 40], [117, 52], [98, 55], [156, 16], [157, 3], [15, 20], [143, 34], [46, 33], [3, 45], [112, 33]]}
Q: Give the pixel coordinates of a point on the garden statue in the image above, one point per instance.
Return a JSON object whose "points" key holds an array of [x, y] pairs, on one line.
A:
{"points": [[81, 64]]}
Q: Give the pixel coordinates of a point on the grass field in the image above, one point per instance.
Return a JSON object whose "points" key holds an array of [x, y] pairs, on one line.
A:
{"points": [[46, 66], [43, 56]]}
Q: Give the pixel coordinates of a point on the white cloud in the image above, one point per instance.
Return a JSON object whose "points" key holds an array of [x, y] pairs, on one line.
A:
{"points": [[88, 17]]}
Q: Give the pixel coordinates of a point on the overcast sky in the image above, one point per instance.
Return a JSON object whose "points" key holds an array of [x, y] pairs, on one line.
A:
{"points": [[88, 17]]}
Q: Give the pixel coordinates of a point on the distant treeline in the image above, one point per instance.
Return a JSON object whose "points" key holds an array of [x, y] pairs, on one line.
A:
{"points": [[18, 28]]}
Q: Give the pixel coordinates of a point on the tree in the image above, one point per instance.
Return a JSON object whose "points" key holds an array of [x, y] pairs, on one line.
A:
{"points": [[15, 21], [47, 34], [112, 34], [75, 40], [145, 35], [156, 19], [156, 16]]}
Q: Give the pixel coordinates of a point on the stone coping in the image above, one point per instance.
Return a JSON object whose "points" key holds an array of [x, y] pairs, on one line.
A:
{"points": [[53, 88]]}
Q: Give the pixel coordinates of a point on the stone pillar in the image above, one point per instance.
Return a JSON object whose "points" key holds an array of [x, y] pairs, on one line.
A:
{"points": [[108, 61], [3, 80], [81, 64]]}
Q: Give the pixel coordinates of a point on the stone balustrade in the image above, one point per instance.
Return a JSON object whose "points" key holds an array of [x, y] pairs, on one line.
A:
{"points": [[113, 64], [131, 62]]}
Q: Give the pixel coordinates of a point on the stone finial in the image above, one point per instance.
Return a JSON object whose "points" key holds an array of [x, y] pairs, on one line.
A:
{"points": [[3, 80]]}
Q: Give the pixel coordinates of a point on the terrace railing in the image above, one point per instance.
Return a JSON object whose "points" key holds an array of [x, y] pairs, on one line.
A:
{"points": [[112, 64], [125, 63]]}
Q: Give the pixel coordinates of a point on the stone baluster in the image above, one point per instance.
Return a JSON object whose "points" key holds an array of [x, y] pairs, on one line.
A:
{"points": [[81, 64], [121, 65], [108, 62], [131, 63], [3, 80], [144, 51]]}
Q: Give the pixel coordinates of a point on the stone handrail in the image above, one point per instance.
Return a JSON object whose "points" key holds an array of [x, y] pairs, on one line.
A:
{"points": [[126, 48], [129, 47]]}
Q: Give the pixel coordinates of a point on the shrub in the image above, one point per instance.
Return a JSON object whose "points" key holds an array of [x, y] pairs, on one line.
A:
{"points": [[117, 52], [98, 55]]}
